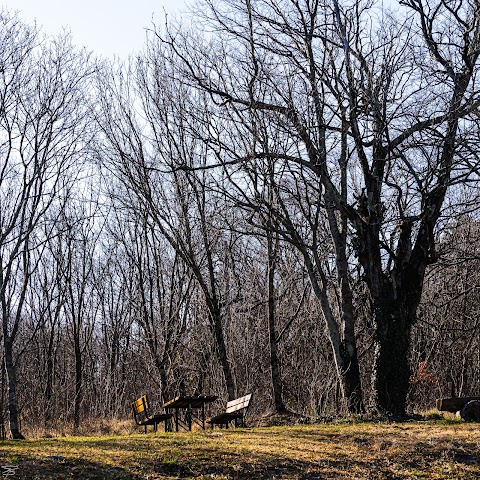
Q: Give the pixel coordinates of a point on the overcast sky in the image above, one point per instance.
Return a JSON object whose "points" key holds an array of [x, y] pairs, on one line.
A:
{"points": [[108, 27]]}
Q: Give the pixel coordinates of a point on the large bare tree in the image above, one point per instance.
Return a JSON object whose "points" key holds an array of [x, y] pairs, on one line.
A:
{"points": [[380, 110]]}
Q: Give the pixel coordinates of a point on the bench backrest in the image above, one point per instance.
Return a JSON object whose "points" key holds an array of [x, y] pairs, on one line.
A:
{"points": [[238, 404], [140, 407]]}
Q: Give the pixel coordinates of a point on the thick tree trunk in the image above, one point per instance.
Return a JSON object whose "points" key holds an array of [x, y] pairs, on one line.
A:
{"points": [[12, 391], [391, 371], [395, 298]]}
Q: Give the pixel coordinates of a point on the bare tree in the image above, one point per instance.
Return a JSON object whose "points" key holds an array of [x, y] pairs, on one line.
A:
{"points": [[379, 110], [81, 307], [159, 294], [41, 123], [46, 309], [112, 287], [180, 205]]}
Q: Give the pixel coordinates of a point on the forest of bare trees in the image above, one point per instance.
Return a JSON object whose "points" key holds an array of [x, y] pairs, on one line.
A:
{"points": [[281, 198]]}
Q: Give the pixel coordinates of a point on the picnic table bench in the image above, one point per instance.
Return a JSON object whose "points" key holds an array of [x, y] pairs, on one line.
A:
{"points": [[469, 407], [234, 411], [143, 416], [192, 406]]}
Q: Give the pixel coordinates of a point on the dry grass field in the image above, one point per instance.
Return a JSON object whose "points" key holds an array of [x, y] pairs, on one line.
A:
{"points": [[423, 450]]}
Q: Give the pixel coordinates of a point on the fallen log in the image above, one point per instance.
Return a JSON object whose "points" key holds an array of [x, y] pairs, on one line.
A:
{"points": [[454, 404]]}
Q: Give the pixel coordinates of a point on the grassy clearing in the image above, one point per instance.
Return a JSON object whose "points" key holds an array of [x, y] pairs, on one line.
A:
{"points": [[424, 450]]}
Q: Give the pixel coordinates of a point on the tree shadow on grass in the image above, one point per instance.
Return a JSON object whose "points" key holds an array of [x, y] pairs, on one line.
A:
{"points": [[308, 456], [52, 468], [223, 463], [212, 463], [60, 468]]}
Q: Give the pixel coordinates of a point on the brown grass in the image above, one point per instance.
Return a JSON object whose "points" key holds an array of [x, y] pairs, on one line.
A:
{"points": [[422, 450], [93, 427]]}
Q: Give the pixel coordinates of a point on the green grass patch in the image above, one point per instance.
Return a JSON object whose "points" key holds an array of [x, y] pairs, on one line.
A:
{"points": [[423, 450]]}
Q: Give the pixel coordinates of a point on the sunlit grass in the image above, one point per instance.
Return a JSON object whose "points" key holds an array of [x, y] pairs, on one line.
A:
{"points": [[426, 450]]}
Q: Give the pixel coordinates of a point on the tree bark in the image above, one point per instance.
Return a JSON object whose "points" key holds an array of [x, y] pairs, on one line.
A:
{"points": [[352, 381], [348, 348], [454, 404], [164, 381], [274, 361], [49, 387], [78, 385], [345, 354], [49, 376], [216, 319], [12, 391], [391, 370]]}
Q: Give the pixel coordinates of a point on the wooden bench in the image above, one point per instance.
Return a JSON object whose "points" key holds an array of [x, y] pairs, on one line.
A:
{"points": [[143, 416], [469, 407], [235, 411]]}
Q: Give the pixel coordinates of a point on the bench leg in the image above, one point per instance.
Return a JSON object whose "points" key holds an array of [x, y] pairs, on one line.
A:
{"points": [[145, 428], [189, 417]]}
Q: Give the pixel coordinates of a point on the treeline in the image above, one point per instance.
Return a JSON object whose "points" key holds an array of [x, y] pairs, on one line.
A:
{"points": [[286, 206]]}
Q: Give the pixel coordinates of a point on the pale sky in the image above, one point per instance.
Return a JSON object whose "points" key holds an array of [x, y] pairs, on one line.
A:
{"points": [[107, 27]]}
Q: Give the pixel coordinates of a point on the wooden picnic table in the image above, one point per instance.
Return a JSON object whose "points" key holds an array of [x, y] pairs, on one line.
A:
{"points": [[190, 404]]}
